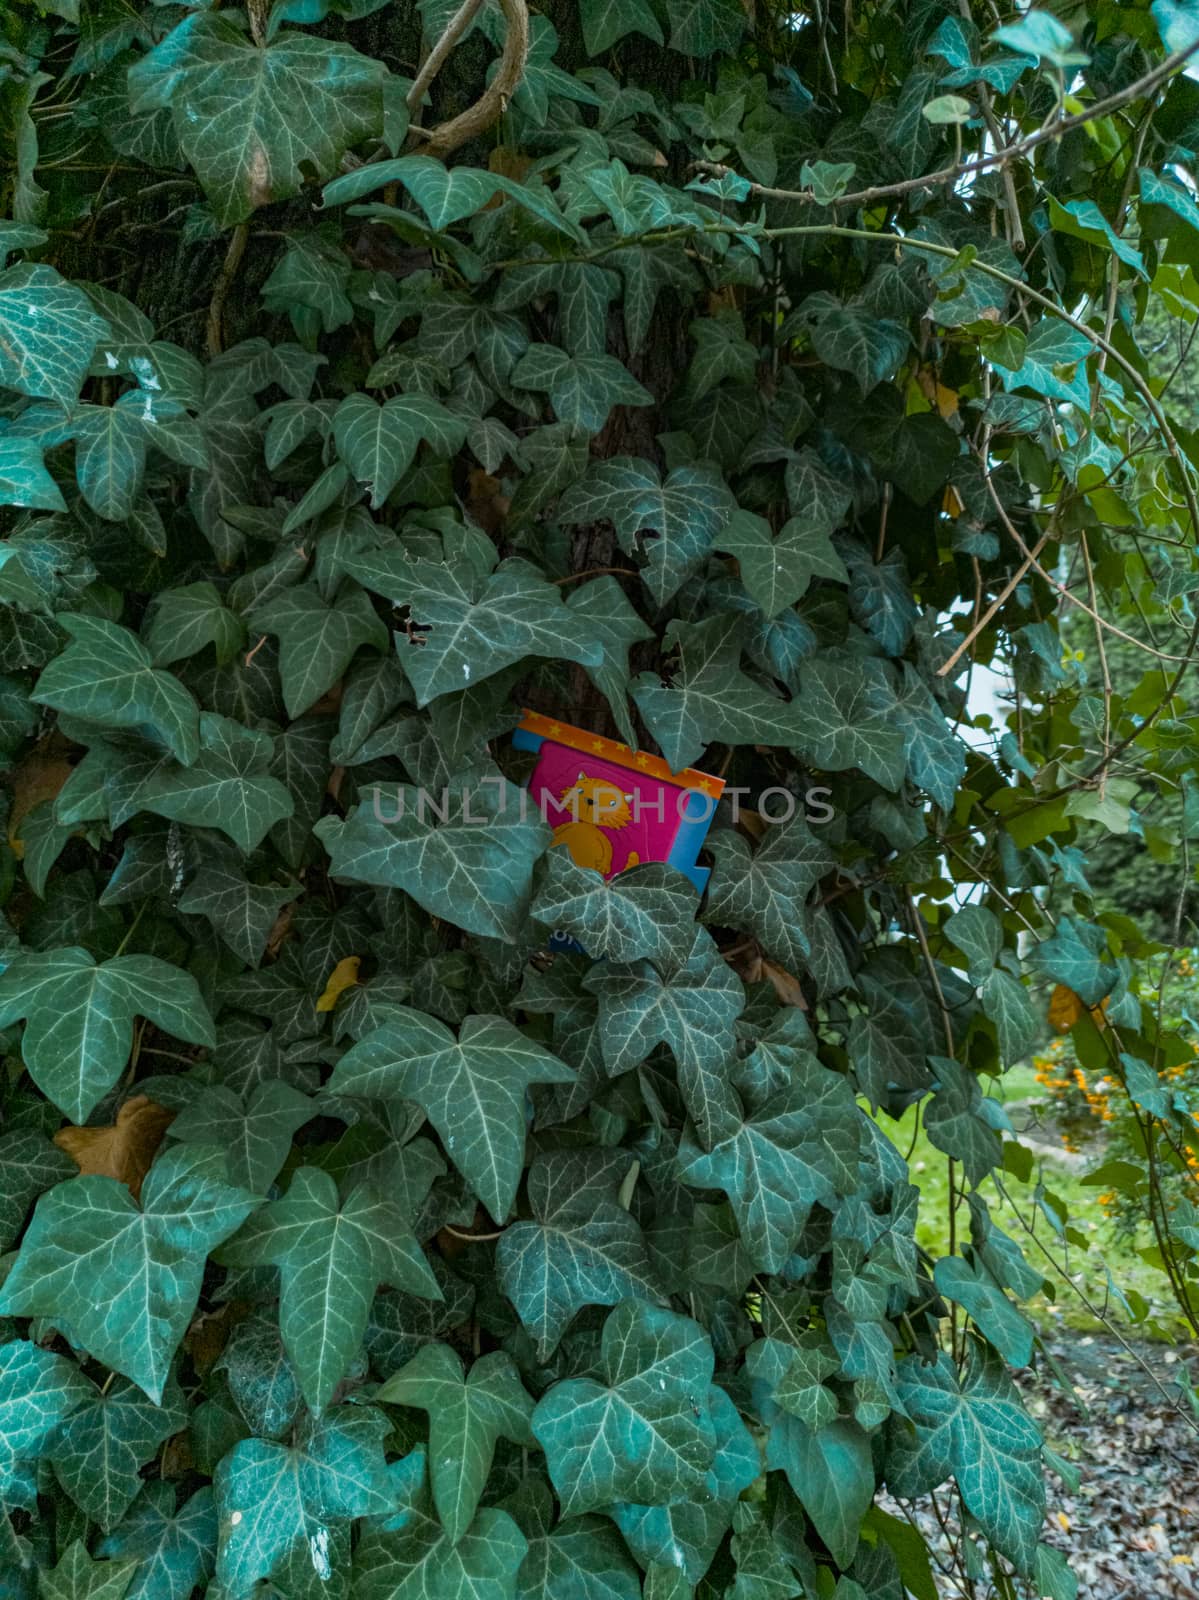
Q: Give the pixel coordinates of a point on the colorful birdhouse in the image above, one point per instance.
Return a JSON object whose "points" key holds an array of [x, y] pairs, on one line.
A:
{"points": [[613, 807]]}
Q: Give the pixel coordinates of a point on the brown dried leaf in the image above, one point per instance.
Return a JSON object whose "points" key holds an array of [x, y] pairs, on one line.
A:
{"points": [[39, 777], [785, 984], [486, 501], [208, 1335], [176, 1461], [510, 163], [122, 1150]]}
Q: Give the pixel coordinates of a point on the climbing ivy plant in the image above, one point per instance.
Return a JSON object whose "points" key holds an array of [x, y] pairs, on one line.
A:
{"points": [[743, 382]]}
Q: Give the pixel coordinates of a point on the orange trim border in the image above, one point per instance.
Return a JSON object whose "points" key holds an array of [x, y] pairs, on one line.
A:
{"points": [[621, 755]]}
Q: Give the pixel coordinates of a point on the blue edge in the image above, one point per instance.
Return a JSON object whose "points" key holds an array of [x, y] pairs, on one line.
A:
{"points": [[693, 830]]}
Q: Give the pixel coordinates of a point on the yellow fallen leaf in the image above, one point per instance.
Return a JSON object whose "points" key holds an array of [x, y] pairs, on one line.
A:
{"points": [[1063, 1521], [344, 976], [935, 392], [1065, 1008], [946, 400], [123, 1149]]}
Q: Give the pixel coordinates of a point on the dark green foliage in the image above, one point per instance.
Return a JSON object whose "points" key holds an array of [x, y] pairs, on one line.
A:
{"points": [[431, 1265]]}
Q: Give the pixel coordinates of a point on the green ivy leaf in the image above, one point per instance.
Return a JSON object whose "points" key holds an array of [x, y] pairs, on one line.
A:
{"points": [[795, 1374], [764, 890], [847, 720], [581, 1249], [186, 619], [605, 618], [48, 331], [38, 1391], [854, 340], [693, 1008], [645, 1433], [1073, 955], [410, 1555], [987, 1306], [174, 1549], [262, 1381], [880, 596], [24, 480], [763, 1573], [1006, 1001], [956, 1121], [98, 1452], [582, 1555], [228, 786], [254, 1131], [973, 1427], [831, 1471], [273, 1499], [468, 1414], [473, 625], [472, 1088], [607, 22], [378, 443], [78, 1577], [799, 1149], [474, 868], [888, 1039], [29, 1165], [582, 388], [1054, 364], [686, 510], [247, 116], [1084, 220], [447, 194], [685, 1534], [711, 700], [125, 1278], [107, 675], [79, 1017], [978, 934], [332, 1257], [317, 641], [241, 913], [703, 28], [648, 911], [18, 236], [776, 572], [112, 443]]}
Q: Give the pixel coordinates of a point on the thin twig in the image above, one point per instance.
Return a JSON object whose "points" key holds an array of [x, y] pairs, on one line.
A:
{"points": [[1011, 201], [598, 572], [238, 240], [984, 621], [493, 102], [1047, 577], [1097, 1314], [1146, 84], [454, 29], [1102, 653]]}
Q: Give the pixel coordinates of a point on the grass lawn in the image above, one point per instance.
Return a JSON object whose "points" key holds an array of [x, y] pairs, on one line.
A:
{"points": [[1101, 1269]]}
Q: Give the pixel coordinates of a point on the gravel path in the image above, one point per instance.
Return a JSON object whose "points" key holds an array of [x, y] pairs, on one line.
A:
{"points": [[1130, 1523]]}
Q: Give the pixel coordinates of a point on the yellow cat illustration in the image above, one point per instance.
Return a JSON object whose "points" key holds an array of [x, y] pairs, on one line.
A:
{"points": [[594, 805]]}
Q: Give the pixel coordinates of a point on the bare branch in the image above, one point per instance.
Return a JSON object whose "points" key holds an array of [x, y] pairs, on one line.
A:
{"points": [[491, 105], [455, 28], [1147, 84]]}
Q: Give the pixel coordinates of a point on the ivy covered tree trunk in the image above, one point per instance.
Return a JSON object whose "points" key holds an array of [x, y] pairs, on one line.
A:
{"points": [[396, 1206]]}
